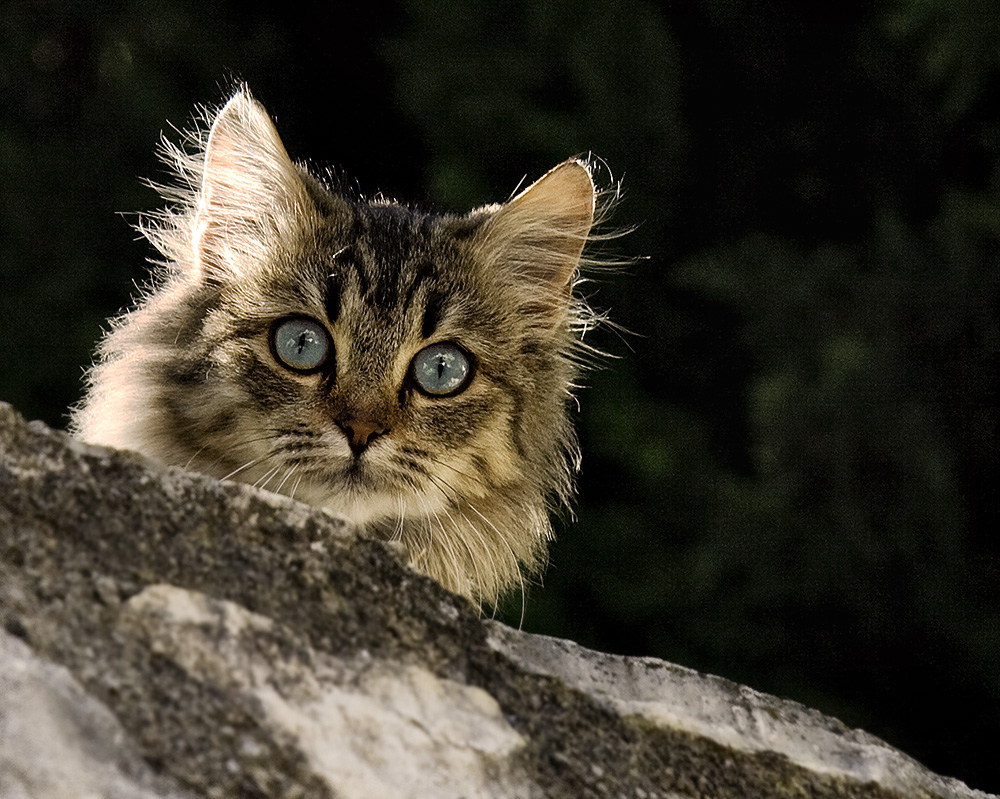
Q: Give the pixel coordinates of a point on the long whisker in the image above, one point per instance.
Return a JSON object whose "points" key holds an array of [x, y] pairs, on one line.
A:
{"points": [[449, 491], [267, 477], [245, 443], [517, 565], [191, 460], [246, 465], [474, 478], [447, 543], [294, 467], [397, 533], [487, 550], [421, 535], [472, 555]]}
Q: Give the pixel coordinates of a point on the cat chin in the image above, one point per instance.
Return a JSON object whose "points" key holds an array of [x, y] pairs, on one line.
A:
{"points": [[366, 507]]}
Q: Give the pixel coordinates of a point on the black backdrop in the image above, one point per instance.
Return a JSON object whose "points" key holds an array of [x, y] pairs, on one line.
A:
{"points": [[790, 464]]}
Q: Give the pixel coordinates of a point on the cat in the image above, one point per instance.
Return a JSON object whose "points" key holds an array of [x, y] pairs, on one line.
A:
{"points": [[411, 371]]}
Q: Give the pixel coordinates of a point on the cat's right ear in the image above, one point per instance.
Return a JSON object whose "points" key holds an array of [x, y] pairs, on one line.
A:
{"points": [[252, 203], [539, 236]]}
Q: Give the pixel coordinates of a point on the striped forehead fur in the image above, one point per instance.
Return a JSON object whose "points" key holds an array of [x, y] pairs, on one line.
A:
{"points": [[466, 480]]}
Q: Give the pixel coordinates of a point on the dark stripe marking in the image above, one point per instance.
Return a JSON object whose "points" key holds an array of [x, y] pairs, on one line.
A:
{"points": [[432, 314], [332, 300]]}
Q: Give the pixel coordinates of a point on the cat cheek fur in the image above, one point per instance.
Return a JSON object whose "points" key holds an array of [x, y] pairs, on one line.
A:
{"points": [[465, 482]]}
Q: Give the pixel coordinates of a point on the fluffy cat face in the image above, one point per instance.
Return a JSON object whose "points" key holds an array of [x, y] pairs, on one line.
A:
{"points": [[410, 371]]}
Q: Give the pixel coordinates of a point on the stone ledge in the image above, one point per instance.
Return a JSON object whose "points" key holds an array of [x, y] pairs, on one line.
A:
{"points": [[190, 638]]}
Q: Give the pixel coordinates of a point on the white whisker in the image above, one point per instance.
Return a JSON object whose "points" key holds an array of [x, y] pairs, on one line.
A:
{"points": [[294, 467], [397, 533], [517, 567], [267, 477], [196, 454], [246, 465], [464, 541], [486, 549]]}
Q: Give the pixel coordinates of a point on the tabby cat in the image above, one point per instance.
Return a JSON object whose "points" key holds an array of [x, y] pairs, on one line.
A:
{"points": [[408, 370]]}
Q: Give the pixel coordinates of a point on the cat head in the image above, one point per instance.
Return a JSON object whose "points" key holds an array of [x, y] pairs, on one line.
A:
{"points": [[409, 370]]}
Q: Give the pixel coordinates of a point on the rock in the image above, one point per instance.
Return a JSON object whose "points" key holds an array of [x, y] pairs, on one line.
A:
{"points": [[168, 635], [60, 743]]}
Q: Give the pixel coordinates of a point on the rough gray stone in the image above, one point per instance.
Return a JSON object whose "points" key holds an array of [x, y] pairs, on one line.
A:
{"points": [[168, 635], [60, 743]]}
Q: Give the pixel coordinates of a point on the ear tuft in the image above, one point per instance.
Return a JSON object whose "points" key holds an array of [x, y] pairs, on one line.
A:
{"points": [[541, 233], [252, 199]]}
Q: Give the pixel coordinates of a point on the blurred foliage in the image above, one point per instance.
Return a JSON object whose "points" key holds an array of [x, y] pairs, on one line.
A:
{"points": [[957, 51], [790, 466], [84, 89]]}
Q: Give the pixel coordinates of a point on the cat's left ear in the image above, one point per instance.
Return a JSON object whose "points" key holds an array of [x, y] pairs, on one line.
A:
{"points": [[252, 202], [540, 235]]}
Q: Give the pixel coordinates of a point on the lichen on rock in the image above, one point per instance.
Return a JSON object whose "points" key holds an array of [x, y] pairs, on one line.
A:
{"points": [[169, 635]]}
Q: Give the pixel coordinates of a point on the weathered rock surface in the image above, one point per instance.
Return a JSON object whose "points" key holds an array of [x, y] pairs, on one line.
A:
{"points": [[167, 635]]}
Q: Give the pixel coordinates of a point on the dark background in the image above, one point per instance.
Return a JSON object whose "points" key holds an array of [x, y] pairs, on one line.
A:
{"points": [[790, 467]]}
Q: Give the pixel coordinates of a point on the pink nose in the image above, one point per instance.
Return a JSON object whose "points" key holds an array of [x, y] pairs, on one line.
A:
{"points": [[360, 432]]}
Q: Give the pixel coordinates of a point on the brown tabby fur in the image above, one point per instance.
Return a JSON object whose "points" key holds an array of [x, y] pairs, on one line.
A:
{"points": [[465, 482]]}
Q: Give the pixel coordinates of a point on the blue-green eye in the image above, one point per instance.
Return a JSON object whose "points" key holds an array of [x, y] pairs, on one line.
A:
{"points": [[300, 343], [441, 369]]}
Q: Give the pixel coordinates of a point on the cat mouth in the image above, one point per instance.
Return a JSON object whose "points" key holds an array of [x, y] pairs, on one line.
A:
{"points": [[357, 474], [351, 482]]}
